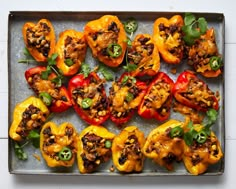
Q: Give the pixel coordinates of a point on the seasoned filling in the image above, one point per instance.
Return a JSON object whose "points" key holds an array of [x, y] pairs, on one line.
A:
{"points": [[39, 85], [101, 39], [53, 143], [200, 151], [131, 151], [200, 53], [32, 118], [172, 36], [36, 37], [123, 97], [141, 52], [199, 93], [94, 151], [94, 91], [74, 48], [158, 97], [167, 149]]}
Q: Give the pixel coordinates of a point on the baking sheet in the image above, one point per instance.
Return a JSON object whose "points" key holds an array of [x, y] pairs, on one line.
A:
{"points": [[19, 90]]}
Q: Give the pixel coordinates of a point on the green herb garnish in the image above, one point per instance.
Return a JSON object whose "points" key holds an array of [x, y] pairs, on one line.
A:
{"points": [[193, 28]]}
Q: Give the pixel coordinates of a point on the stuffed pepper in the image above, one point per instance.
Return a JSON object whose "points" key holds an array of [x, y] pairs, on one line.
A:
{"points": [[126, 94], [107, 39], [39, 39], [144, 54], [157, 101], [204, 150], [55, 97], [89, 98], [126, 150], [71, 48], [193, 92], [204, 56], [165, 144], [58, 144], [167, 35], [94, 148], [28, 115]]}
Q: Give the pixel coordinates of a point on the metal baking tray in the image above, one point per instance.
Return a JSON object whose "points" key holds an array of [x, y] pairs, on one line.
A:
{"points": [[19, 90]]}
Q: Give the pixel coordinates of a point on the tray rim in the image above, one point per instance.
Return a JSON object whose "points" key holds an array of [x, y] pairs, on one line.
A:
{"points": [[90, 12]]}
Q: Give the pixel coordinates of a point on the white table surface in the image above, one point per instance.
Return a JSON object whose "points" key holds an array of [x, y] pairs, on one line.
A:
{"points": [[227, 180]]}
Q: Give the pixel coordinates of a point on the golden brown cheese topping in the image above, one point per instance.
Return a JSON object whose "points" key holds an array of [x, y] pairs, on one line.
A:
{"points": [[32, 118], [200, 53], [200, 93], [93, 91], [172, 37], [103, 38], [74, 48], [131, 151], [158, 95], [39, 85], [201, 152], [141, 51], [94, 151], [52, 143], [36, 38], [123, 98]]}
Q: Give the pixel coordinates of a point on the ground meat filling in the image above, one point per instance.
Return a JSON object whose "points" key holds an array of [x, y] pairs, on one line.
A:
{"points": [[74, 49], [36, 38], [200, 53], [103, 38], [210, 147], [94, 151], [121, 96], [131, 150], [32, 118], [50, 145], [141, 51], [172, 36], [39, 85], [95, 92], [199, 93], [159, 97]]}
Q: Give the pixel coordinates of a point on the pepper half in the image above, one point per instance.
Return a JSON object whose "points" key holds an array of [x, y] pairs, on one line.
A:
{"points": [[89, 98], [158, 98], [39, 39], [125, 96], [71, 48], [126, 150], [28, 115], [193, 92], [92, 148], [58, 144], [161, 147], [101, 34], [200, 55], [167, 35], [60, 97], [198, 156], [144, 53]]}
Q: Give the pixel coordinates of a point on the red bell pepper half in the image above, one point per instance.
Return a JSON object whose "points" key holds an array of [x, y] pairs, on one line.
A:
{"points": [[125, 96], [89, 98], [158, 98], [194, 93], [55, 97]]}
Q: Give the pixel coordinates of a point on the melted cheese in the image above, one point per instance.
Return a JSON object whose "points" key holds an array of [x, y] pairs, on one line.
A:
{"points": [[172, 41]]}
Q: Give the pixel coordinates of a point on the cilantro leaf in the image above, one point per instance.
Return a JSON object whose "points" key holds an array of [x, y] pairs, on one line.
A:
{"points": [[105, 72], [202, 23], [189, 18], [130, 67], [34, 137], [85, 69], [19, 152]]}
